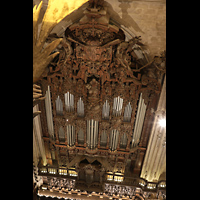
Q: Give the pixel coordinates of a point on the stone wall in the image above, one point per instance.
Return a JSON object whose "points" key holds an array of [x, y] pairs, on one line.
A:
{"points": [[145, 18]]}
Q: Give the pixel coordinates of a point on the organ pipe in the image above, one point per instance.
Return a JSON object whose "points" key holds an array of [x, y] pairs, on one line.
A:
{"points": [[139, 121], [69, 102], [70, 136], [117, 106], [87, 140], [113, 142], [127, 113], [96, 133], [114, 137], [49, 112], [105, 111], [80, 107], [94, 143], [91, 124]]}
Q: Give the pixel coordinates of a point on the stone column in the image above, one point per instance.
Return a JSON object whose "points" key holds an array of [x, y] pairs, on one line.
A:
{"points": [[138, 162]]}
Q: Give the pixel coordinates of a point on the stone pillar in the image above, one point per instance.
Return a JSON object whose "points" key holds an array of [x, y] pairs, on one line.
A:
{"points": [[37, 132], [138, 162]]}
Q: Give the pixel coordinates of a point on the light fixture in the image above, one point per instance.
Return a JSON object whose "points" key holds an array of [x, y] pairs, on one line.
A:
{"points": [[162, 122]]}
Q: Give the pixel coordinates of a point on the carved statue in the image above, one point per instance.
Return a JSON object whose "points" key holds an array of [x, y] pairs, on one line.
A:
{"points": [[93, 96]]}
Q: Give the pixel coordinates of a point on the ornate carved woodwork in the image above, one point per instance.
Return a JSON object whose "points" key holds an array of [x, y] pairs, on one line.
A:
{"points": [[97, 64]]}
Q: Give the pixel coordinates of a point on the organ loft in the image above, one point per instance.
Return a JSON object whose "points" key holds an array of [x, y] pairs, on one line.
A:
{"points": [[99, 106]]}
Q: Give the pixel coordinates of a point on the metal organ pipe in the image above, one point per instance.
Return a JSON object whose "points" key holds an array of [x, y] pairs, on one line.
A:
{"points": [[92, 133], [136, 122], [67, 98], [118, 103], [105, 111], [89, 132], [115, 140], [117, 106], [127, 113], [70, 136], [111, 138], [139, 121], [87, 140], [80, 107], [69, 102], [143, 111], [114, 137], [49, 112], [92, 129], [96, 133]]}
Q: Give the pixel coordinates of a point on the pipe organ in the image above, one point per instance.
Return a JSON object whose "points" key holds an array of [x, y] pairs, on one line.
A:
{"points": [[100, 92]]}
